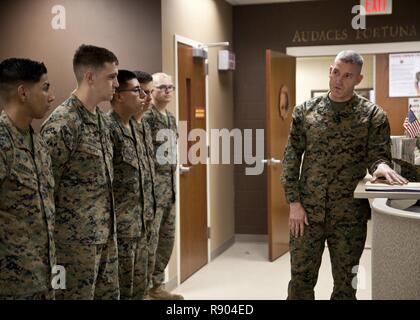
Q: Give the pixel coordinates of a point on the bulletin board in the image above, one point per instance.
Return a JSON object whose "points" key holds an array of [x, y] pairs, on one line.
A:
{"points": [[404, 75]]}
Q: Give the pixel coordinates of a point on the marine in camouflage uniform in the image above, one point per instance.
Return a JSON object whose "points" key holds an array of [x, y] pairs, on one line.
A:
{"points": [[81, 150], [165, 189], [27, 248], [130, 183], [339, 142], [27, 251], [340, 135]]}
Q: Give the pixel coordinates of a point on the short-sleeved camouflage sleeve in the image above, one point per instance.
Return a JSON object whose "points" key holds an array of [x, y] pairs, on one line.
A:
{"points": [[293, 156], [61, 141], [379, 141]]}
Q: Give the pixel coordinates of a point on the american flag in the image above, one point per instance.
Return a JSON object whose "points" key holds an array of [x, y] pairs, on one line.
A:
{"points": [[411, 124]]}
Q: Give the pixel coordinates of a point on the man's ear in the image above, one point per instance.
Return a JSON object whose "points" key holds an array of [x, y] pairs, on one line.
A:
{"points": [[22, 93], [89, 76], [331, 69], [359, 78]]}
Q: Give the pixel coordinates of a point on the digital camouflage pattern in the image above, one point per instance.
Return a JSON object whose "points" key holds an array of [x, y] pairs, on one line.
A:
{"points": [[91, 271], [165, 189], [346, 242], [81, 152], [128, 177], [146, 145], [165, 172], [134, 259], [150, 238], [338, 146], [165, 224], [27, 249]]}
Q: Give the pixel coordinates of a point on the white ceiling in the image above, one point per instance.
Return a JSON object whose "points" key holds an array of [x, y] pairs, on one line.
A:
{"points": [[244, 2]]}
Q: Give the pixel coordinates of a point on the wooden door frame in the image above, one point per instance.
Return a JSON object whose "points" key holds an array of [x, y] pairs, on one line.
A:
{"points": [[277, 245], [180, 39]]}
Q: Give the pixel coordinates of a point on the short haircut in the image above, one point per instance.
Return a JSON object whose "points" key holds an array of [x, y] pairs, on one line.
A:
{"points": [[123, 77], [350, 56], [88, 56], [15, 71], [143, 77], [160, 76]]}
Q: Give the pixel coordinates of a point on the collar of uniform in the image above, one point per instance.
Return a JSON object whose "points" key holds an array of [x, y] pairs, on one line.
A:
{"points": [[17, 136], [120, 124], [87, 116], [352, 103]]}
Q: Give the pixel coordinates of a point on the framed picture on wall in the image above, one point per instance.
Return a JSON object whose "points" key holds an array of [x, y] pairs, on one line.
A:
{"points": [[364, 92]]}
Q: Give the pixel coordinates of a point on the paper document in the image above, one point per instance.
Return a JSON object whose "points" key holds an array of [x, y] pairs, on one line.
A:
{"points": [[409, 187]]}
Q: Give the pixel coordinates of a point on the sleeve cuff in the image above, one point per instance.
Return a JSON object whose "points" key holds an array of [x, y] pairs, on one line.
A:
{"points": [[292, 197], [377, 163]]}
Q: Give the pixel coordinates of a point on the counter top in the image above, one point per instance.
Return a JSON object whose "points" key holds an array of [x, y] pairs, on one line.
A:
{"points": [[361, 193]]}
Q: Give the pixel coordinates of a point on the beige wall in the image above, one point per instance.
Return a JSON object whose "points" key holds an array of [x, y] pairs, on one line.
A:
{"points": [[129, 28], [312, 74], [206, 21]]}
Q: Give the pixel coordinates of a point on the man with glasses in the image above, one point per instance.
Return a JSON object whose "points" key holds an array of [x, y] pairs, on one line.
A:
{"points": [[163, 123], [340, 135], [129, 184], [81, 149]]}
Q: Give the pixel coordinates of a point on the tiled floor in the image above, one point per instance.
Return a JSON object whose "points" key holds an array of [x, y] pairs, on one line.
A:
{"points": [[243, 272]]}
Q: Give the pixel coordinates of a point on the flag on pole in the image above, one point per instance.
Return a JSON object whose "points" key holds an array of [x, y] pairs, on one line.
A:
{"points": [[411, 124]]}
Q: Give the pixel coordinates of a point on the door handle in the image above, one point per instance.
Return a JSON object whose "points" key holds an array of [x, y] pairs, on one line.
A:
{"points": [[183, 169], [272, 161]]}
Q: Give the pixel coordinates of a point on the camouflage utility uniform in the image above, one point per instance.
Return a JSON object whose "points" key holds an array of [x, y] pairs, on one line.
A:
{"points": [[132, 192], [81, 150], [165, 187], [27, 252], [338, 141], [151, 236]]}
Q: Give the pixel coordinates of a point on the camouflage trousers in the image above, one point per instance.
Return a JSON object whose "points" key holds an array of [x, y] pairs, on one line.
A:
{"points": [[165, 226], [345, 242], [91, 271], [136, 259], [42, 295]]}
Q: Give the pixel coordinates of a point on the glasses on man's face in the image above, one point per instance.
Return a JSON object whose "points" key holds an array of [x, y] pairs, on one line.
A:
{"points": [[165, 88], [147, 92], [137, 90]]}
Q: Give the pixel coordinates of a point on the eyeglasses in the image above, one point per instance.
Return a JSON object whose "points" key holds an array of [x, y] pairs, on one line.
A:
{"points": [[165, 88], [137, 90], [147, 92]]}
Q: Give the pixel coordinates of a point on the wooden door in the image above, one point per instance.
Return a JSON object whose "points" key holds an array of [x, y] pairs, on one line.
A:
{"points": [[192, 178], [280, 98]]}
